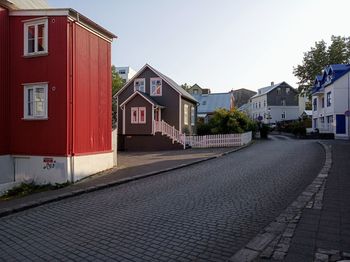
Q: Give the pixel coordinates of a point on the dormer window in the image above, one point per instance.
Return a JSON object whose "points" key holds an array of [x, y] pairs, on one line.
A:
{"points": [[156, 86], [139, 85], [35, 37]]}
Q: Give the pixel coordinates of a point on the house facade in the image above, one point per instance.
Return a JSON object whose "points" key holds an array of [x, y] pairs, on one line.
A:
{"points": [[197, 90], [55, 95], [277, 102], [153, 112], [125, 72], [330, 101]]}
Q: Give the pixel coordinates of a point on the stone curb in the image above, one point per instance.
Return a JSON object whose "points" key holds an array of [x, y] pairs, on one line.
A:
{"points": [[42, 201], [274, 240]]}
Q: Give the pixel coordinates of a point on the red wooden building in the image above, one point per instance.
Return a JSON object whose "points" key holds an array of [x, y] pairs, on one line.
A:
{"points": [[55, 95]]}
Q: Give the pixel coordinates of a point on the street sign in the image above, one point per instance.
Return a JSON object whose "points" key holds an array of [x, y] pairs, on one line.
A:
{"points": [[347, 113], [260, 118]]}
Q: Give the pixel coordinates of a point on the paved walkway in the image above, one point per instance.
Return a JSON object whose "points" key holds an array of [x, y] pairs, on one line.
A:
{"points": [[316, 226], [202, 213], [131, 166], [324, 234]]}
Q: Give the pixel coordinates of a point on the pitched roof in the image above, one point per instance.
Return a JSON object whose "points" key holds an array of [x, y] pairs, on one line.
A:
{"points": [[210, 102], [268, 89], [144, 96], [335, 72], [173, 84], [25, 4], [167, 79]]}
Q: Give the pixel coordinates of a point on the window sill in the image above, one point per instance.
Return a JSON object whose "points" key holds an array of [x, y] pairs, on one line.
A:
{"points": [[35, 55], [35, 119]]}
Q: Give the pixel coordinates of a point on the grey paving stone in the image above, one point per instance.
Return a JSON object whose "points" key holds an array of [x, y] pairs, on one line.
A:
{"points": [[244, 255]]}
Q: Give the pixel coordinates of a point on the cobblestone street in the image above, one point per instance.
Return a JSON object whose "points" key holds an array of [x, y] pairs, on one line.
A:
{"points": [[205, 212]]}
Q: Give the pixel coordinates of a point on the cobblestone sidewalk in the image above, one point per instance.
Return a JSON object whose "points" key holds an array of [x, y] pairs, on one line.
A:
{"points": [[316, 226], [131, 166]]}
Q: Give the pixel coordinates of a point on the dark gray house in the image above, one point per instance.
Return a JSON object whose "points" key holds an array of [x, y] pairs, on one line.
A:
{"points": [[275, 103], [154, 112]]}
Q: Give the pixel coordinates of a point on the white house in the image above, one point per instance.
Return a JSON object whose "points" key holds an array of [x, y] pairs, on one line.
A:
{"points": [[274, 103], [330, 101], [126, 72]]}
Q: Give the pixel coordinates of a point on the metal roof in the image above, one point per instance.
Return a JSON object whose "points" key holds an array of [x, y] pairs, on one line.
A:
{"points": [[26, 4], [174, 85], [167, 79], [267, 89], [330, 74], [210, 102]]}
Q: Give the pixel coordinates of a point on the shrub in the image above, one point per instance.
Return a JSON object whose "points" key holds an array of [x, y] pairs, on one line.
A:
{"points": [[226, 122]]}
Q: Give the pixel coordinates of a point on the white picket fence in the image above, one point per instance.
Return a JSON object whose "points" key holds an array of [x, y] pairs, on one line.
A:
{"points": [[225, 140]]}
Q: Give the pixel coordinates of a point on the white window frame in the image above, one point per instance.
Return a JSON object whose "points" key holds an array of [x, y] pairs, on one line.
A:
{"points": [[35, 23], [185, 114], [151, 86], [142, 109], [192, 116], [138, 115], [144, 84], [134, 109], [34, 115], [284, 115]]}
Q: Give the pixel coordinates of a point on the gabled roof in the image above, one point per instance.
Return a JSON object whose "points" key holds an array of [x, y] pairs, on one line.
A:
{"points": [[165, 78], [268, 89], [25, 4], [330, 74], [210, 102], [144, 96]]}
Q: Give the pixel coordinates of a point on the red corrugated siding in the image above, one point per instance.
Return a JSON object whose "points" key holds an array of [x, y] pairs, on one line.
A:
{"points": [[47, 137], [92, 93], [4, 82]]}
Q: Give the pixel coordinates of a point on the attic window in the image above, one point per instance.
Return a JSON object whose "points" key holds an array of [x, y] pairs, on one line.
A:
{"points": [[278, 91], [139, 85], [156, 86], [36, 37], [287, 90]]}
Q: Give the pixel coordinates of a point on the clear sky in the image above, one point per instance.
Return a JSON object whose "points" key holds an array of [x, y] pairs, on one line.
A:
{"points": [[222, 44]]}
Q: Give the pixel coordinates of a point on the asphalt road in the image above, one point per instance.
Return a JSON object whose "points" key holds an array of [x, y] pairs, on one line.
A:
{"points": [[205, 212]]}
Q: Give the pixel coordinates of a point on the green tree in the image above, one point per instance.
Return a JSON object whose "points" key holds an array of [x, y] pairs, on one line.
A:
{"points": [[117, 84], [185, 86], [224, 121], [117, 81], [314, 60]]}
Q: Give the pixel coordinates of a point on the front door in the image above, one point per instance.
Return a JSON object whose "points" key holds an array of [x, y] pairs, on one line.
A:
{"points": [[340, 124]]}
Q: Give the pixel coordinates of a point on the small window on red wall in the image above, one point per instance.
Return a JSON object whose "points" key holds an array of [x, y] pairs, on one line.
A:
{"points": [[138, 115]]}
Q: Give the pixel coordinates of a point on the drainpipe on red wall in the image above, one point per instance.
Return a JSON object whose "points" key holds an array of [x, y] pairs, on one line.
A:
{"points": [[71, 102]]}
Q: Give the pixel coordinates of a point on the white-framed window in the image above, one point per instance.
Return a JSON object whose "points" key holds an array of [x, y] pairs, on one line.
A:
{"points": [[185, 114], [283, 115], [35, 101], [138, 115], [192, 116], [140, 85], [156, 86], [36, 37], [287, 90], [283, 102], [278, 90]]}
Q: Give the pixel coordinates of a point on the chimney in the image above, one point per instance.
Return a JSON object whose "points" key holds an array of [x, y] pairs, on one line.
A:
{"points": [[272, 83]]}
